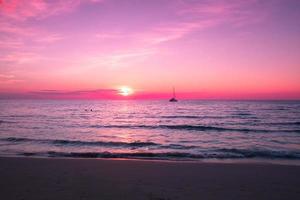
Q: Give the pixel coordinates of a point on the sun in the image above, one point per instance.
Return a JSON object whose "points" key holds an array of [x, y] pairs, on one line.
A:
{"points": [[125, 91]]}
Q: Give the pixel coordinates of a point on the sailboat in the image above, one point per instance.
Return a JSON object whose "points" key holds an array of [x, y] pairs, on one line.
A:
{"points": [[173, 99]]}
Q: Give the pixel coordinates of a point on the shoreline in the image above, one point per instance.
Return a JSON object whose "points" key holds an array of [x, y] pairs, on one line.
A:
{"points": [[277, 161], [85, 178]]}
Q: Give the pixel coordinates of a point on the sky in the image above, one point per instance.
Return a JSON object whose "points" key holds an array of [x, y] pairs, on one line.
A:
{"points": [[89, 49]]}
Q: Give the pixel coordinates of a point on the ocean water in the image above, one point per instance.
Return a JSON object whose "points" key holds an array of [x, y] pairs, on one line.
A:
{"points": [[186, 130]]}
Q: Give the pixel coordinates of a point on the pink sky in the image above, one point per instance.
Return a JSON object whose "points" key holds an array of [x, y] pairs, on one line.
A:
{"points": [[87, 49]]}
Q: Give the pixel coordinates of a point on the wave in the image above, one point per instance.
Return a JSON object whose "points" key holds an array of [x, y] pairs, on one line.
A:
{"points": [[175, 151], [234, 115], [190, 117], [204, 128], [78, 142], [199, 127], [190, 127], [102, 143], [180, 117], [7, 122], [13, 139], [219, 154], [286, 123], [135, 144], [261, 153], [242, 114]]}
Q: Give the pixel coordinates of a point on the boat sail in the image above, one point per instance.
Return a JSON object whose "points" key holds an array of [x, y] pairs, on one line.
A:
{"points": [[173, 99]]}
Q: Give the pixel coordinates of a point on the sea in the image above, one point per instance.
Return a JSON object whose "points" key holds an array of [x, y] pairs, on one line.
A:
{"points": [[145, 129]]}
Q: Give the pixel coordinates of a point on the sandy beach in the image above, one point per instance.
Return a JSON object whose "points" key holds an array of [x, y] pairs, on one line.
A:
{"points": [[58, 178]]}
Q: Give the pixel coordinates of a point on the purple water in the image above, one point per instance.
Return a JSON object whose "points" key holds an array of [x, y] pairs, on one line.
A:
{"points": [[151, 129]]}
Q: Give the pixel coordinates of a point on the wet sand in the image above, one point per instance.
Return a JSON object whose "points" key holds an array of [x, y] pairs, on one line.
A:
{"points": [[56, 178]]}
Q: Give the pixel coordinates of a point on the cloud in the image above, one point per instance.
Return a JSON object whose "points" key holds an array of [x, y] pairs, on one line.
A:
{"points": [[119, 59], [8, 28], [235, 12], [49, 38], [199, 15], [21, 10], [173, 31], [10, 44], [20, 31], [190, 16], [8, 79], [16, 32], [61, 94], [20, 57], [111, 35], [6, 76], [74, 92]]}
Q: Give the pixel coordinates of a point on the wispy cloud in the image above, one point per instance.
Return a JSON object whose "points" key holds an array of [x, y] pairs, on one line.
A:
{"points": [[119, 59], [61, 94], [73, 92], [64, 94], [193, 16], [199, 15], [20, 57], [16, 32], [9, 79], [173, 31], [234, 12], [11, 29], [22, 9], [111, 35], [11, 44], [6, 76], [49, 38]]}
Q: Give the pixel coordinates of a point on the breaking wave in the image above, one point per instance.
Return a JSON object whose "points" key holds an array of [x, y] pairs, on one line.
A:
{"points": [[219, 154], [190, 127], [136, 144]]}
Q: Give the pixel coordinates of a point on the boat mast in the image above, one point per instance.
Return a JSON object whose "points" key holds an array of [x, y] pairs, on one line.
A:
{"points": [[174, 96]]}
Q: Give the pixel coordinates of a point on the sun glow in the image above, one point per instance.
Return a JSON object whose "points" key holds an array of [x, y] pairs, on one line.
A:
{"points": [[125, 91]]}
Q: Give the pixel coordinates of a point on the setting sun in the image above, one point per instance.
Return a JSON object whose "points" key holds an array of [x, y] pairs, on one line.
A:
{"points": [[125, 91]]}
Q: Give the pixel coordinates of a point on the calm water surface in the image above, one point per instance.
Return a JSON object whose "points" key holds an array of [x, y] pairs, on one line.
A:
{"points": [[151, 129]]}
